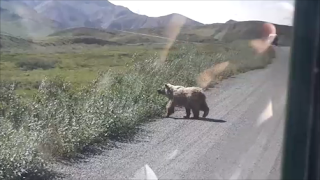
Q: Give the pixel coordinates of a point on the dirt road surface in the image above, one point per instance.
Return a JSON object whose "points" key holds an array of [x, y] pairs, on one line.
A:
{"points": [[234, 143]]}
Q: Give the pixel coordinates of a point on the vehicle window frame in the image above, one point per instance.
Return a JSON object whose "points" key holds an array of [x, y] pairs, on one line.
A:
{"points": [[301, 138]]}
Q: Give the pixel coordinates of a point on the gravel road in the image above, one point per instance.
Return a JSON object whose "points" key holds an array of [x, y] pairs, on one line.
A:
{"points": [[233, 143]]}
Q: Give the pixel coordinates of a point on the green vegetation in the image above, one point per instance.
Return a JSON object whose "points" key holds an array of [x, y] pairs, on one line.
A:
{"points": [[76, 87], [58, 96], [58, 121], [78, 64]]}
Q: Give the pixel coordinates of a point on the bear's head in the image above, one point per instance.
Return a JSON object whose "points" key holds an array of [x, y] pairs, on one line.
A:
{"points": [[166, 90]]}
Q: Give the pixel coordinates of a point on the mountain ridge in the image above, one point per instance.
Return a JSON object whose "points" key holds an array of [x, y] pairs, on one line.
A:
{"points": [[36, 18], [96, 14]]}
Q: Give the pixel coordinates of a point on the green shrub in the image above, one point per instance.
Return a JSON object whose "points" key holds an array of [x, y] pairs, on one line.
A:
{"points": [[31, 64]]}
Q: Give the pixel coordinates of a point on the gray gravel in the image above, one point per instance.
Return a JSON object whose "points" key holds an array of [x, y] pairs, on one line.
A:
{"points": [[228, 145]]}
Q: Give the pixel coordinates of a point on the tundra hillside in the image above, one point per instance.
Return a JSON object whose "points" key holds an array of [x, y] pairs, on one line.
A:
{"points": [[63, 93]]}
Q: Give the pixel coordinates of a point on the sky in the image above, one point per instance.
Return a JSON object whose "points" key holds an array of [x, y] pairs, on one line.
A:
{"points": [[215, 11]]}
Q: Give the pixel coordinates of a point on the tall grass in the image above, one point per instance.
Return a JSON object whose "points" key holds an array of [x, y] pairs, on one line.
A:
{"points": [[59, 121]]}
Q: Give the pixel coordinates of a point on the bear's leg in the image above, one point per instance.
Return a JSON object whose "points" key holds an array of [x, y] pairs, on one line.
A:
{"points": [[188, 113], [195, 112], [205, 109], [170, 109]]}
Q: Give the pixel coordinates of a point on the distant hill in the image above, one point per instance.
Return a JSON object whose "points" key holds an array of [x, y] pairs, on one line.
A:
{"points": [[225, 32], [102, 34], [34, 18], [250, 30], [84, 31], [91, 20], [7, 41]]}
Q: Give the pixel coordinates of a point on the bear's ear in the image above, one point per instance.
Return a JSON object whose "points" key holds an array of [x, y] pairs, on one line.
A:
{"points": [[167, 86]]}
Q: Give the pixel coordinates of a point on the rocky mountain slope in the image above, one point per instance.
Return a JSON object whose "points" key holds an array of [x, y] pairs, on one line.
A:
{"points": [[21, 20], [34, 18], [52, 15]]}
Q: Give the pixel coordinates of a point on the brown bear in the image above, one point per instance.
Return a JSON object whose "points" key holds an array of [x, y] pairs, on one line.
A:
{"points": [[192, 98]]}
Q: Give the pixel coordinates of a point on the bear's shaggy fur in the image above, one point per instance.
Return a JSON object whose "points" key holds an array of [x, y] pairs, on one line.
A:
{"points": [[192, 98]]}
